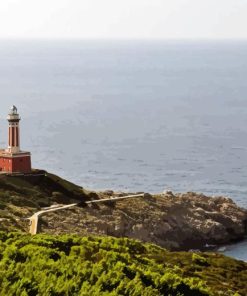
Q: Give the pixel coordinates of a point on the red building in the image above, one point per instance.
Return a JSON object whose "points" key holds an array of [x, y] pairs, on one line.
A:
{"points": [[12, 159]]}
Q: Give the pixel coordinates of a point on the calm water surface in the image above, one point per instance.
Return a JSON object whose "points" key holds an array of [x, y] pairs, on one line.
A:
{"points": [[238, 251], [133, 116]]}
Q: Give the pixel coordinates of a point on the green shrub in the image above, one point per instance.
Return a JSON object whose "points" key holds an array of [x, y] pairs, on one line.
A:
{"points": [[197, 259]]}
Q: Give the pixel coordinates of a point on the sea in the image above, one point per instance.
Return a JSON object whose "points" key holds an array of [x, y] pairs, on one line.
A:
{"points": [[132, 115]]}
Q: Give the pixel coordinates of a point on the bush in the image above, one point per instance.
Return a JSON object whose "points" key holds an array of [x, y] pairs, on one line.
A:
{"points": [[197, 259]]}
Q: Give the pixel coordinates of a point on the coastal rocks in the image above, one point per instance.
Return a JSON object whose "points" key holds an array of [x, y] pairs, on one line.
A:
{"points": [[175, 221], [206, 220]]}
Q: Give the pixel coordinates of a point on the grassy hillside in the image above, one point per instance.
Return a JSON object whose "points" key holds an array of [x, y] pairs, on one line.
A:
{"points": [[21, 195], [73, 265]]}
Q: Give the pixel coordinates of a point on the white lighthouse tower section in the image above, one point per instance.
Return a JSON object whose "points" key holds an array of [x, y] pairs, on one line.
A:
{"points": [[14, 131]]}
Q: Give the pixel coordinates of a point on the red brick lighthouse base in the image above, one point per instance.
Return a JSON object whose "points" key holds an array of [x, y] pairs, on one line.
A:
{"points": [[12, 159], [15, 163]]}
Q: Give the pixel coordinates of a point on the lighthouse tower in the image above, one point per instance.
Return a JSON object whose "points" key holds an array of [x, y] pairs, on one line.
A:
{"points": [[14, 131], [12, 159]]}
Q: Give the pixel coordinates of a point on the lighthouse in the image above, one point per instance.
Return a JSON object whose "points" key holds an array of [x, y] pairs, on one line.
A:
{"points": [[13, 159]]}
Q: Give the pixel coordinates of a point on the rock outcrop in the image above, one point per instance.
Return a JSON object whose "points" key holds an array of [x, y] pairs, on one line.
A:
{"points": [[175, 221]]}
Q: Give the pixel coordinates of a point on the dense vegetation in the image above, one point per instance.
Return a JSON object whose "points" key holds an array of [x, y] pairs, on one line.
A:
{"points": [[73, 265]]}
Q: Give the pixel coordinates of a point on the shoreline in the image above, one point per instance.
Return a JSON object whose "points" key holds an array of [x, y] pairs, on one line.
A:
{"points": [[176, 221], [235, 250]]}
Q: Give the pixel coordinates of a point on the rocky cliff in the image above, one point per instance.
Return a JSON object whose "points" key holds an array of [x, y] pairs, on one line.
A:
{"points": [[175, 221]]}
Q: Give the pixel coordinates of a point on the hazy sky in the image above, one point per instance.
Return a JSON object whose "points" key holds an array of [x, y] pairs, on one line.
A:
{"points": [[123, 18]]}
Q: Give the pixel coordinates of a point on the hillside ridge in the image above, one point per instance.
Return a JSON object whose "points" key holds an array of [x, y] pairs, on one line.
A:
{"points": [[92, 265]]}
